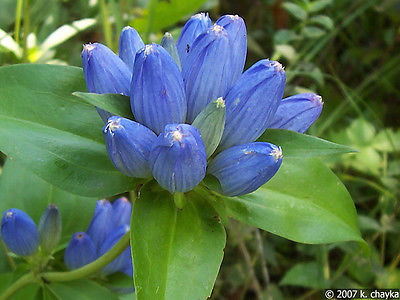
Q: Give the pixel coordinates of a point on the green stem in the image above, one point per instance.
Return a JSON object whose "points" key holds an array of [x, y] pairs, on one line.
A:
{"points": [[83, 272], [27, 24], [19, 284], [106, 24], [18, 13]]}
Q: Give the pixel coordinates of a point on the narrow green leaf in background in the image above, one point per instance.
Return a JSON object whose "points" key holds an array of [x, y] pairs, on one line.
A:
{"points": [[82, 290], [176, 252], [295, 10], [114, 103], [304, 202], [53, 133], [295, 144]]}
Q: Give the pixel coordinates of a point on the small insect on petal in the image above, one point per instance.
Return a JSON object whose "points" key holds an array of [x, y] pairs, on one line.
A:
{"points": [[297, 112], [128, 145], [243, 169], [19, 232], [178, 158], [80, 251]]}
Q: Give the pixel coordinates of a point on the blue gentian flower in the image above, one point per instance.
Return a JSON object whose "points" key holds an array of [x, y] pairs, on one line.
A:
{"points": [[297, 112], [128, 145], [243, 169], [19, 232], [80, 251], [122, 210], [164, 98], [102, 222], [130, 42], [50, 229]]}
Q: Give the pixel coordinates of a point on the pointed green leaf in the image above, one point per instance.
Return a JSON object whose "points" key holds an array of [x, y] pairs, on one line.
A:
{"points": [[211, 123], [53, 133], [295, 144], [304, 202], [116, 104], [176, 252]]}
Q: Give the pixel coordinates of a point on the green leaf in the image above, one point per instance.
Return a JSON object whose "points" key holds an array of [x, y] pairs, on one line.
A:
{"points": [[76, 211], [53, 133], [313, 32], [296, 144], [295, 10], [307, 274], [161, 14], [211, 123], [304, 202], [176, 252], [81, 289], [316, 6], [114, 103], [323, 20]]}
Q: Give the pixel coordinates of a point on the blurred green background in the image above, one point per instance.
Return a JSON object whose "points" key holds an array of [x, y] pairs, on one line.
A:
{"points": [[348, 51]]}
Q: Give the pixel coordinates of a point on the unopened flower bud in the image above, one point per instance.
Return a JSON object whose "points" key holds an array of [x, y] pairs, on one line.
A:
{"points": [[168, 44], [50, 229], [178, 158], [80, 251], [297, 112], [252, 102], [130, 42], [19, 232], [128, 145], [102, 222], [122, 211], [157, 90], [243, 169]]}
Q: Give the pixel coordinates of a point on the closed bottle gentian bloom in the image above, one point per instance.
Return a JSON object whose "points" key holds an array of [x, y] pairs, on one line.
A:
{"points": [[105, 73], [178, 158], [19, 232], [50, 229], [168, 44], [207, 71], [297, 112], [252, 102], [122, 211], [102, 222], [128, 145], [243, 169], [80, 251], [195, 26], [237, 34], [130, 42], [157, 90], [123, 260]]}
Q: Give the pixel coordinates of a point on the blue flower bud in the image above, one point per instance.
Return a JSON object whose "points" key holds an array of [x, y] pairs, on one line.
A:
{"points": [[196, 25], [237, 33], [80, 251], [178, 158], [207, 71], [102, 222], [168, 44], [50, 229], [124, 259], [105, 73], [157, 91], [128, 145], [297, 112], [130, 42], [243, 169], [19, 232], [252, 102], [122, 211]]}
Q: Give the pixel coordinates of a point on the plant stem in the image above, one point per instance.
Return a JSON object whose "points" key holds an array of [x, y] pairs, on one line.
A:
{"points": [[27, 24], [18, 13], [106, 24], [83, 272]]}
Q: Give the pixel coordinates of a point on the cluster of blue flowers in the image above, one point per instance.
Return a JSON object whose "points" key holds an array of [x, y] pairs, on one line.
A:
{"points": [[170, 85], [23, 238], [109, 224]]}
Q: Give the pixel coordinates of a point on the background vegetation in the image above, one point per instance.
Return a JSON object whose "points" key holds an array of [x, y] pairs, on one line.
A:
{"points": [[348, 51]]}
